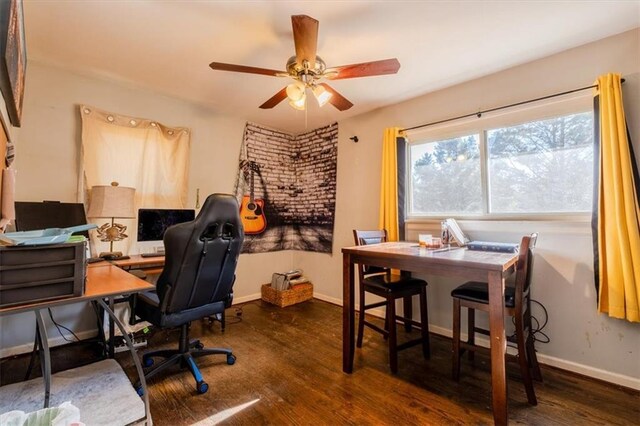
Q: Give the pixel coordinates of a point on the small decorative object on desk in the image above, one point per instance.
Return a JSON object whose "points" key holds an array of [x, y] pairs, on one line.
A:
{"points": [[445, 234], [489, 246]]}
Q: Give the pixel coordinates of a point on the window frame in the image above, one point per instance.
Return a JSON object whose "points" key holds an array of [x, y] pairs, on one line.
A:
{"points": [[566, 105]]}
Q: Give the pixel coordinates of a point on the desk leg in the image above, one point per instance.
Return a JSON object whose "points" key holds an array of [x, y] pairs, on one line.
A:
{"points": [[348, 314], [134, 355], [45, 356], [112, 331], [498, 348]]}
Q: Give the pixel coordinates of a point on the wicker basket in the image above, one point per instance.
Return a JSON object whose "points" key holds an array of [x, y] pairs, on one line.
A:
{"points": [[296, 294]]}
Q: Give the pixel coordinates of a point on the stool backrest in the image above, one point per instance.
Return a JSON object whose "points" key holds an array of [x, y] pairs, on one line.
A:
{"points": [[363, 238], [525, 265]]}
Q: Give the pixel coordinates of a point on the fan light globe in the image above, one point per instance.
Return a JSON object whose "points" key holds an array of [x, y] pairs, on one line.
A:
{"points": [[296, 91], [300, 103], [322, 95]]}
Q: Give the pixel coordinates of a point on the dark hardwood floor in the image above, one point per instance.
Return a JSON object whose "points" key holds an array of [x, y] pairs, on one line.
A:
{"points": [[289, 371]]}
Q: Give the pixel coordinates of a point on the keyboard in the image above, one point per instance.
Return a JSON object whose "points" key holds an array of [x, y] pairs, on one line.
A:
{"points": [[152, 255]]}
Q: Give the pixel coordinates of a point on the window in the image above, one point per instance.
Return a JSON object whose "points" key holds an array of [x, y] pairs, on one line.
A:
{"points": [[446, 177], [537, 167]]}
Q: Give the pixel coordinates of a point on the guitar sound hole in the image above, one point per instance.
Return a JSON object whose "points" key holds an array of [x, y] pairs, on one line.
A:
{"points": [[251, 206]]}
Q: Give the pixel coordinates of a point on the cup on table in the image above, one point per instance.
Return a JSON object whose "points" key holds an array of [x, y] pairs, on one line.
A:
{"points": [[425, 240]]}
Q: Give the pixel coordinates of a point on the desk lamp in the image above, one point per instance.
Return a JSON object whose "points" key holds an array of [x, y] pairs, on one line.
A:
{"points": [[111, 202]]}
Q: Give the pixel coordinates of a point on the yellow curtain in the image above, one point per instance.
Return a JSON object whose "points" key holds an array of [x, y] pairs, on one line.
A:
{"points": [[618, 222], [389, 184]]}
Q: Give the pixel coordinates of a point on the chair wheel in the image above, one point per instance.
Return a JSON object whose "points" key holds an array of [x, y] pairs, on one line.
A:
{"points": [[147, 362], [202, 387], [139, 390], [231, 359]]}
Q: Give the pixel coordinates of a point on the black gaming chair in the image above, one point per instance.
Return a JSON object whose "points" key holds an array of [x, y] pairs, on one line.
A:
{"points": [[196, 282]]}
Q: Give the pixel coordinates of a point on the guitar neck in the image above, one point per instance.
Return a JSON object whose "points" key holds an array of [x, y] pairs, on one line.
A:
{"points": [[251, 188]]}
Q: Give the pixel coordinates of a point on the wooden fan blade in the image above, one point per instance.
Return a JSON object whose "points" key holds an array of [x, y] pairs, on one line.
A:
{"points": [[305, 37], [337, 100], [275, 99], [242, 68], [365, 69]]}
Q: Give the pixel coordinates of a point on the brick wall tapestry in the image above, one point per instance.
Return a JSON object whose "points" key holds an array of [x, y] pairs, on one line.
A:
{"points": [[294, 189]]}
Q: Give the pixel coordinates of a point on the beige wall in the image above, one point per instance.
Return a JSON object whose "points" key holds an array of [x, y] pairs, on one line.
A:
{"points": [[47, 158], [581, 340]]}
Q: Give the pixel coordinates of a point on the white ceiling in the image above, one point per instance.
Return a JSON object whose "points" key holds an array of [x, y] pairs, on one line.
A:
{"points": [[166, 46]]}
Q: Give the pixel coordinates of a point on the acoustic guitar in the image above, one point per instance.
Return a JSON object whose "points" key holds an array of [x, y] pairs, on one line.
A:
{"points": [[252, 209]]}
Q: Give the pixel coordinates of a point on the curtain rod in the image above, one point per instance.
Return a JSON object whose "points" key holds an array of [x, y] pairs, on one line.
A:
{"points": [[479, 113]]}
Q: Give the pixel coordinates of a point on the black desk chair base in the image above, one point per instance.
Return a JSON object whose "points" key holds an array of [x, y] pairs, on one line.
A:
{"points": [[184, 355]]}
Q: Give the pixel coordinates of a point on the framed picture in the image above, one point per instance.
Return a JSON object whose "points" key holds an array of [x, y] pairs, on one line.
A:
{"points": [[13, 60]]}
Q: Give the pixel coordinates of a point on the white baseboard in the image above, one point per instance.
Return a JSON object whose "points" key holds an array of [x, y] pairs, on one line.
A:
{"points": [[327, 299], [244, 299], [585, 370], [563, 364], [53, 341]]}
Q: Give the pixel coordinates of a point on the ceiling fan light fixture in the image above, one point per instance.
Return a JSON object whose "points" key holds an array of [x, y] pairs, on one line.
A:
{"points": [[300, 103], [322, 95], [296, 91]]}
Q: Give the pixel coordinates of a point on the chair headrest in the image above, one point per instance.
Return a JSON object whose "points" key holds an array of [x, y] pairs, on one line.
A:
{"points": [[219, 218]]}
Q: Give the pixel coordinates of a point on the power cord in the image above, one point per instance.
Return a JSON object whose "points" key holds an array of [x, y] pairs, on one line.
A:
{"points": [[59, 326], [34, 351], [536, 328], [239, 309]]}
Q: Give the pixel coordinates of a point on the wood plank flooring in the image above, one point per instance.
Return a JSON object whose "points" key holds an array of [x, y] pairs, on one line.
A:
{"points": [[289, 371]]}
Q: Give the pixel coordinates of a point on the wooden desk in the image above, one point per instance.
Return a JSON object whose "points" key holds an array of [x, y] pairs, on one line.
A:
{"points": [[136, 261], [150, 265], [469, 265], [102, 282]]}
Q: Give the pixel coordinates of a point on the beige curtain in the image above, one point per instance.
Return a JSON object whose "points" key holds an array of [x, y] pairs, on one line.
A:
{"points": [[138, 153]]}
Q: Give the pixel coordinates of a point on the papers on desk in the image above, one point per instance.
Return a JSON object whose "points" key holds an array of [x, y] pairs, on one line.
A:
{"points": [[42, 236]]}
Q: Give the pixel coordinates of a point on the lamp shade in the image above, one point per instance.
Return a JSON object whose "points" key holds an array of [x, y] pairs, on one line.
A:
{"points": [[112, 201], [322, 95]]}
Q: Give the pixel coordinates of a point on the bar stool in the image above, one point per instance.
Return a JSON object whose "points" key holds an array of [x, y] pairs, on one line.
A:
{"points": [[474, 295], [382, 283]]}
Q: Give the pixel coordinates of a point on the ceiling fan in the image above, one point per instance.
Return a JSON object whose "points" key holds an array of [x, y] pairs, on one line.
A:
{"points": [[308, 70]]}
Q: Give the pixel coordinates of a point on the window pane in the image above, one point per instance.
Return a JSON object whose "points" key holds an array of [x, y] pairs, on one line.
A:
{"points": [[542, 166], [445, 177]]}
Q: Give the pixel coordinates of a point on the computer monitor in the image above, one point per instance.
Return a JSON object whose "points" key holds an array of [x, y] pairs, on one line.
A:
{"points": [[32, 216], [152, 223]]}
